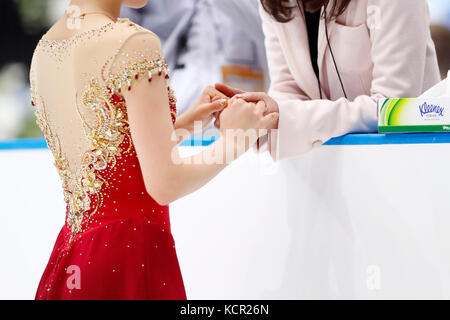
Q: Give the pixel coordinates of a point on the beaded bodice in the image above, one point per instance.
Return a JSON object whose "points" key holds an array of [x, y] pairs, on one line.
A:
{"points": [[77, 89]]}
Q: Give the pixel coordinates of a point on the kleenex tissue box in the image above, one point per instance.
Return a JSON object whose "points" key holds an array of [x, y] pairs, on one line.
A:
{"points": [[414, 115], [428, 113]]}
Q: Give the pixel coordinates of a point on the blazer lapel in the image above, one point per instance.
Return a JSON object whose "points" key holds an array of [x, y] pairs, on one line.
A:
{"points": [[298, 56], [323, 43]]}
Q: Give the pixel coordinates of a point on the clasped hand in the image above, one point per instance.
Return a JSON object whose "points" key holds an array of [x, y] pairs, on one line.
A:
{"points": [[231, 109]]}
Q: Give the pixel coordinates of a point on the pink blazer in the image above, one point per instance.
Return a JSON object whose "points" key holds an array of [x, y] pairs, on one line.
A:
{"points": [[382, 49]]}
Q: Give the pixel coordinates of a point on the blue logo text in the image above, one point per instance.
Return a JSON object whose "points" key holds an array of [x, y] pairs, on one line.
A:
{"points": [[426, 108]]}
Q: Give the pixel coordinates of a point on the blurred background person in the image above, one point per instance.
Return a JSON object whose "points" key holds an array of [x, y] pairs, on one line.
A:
{"points": [[209, 41], [169, 20], [441, 37]]}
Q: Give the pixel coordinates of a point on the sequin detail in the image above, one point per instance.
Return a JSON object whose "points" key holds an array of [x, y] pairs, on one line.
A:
{"points": [[107, 135], [60, 49], [102, 110], [118, 82]]}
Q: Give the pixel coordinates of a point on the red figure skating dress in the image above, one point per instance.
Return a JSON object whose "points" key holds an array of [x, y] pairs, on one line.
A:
{"points": [[116, 242]]}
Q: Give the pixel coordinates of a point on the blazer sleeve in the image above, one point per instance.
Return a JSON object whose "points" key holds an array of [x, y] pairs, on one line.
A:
{"points": [[399, 64]]}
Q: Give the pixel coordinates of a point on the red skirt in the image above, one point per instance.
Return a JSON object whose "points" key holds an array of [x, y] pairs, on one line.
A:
{"points": [[133, 258]]}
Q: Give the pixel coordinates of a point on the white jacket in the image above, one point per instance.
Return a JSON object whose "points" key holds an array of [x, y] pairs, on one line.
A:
{"points": [[382, 49]]}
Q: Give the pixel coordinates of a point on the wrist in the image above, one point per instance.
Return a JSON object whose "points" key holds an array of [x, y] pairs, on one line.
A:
{"points": [[183, 122]]}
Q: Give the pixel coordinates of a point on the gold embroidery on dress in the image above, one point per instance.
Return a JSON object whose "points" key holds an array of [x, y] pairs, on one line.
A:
{"points": [[144, 68], [74, 195], [107, 132], [102, 110]]}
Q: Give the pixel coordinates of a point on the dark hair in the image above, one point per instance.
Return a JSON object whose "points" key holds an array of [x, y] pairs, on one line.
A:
{"points": [[441, 37], [282, 10]]}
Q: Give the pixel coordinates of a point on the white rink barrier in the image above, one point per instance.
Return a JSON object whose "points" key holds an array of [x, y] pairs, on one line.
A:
{"points": [[344, 221]]}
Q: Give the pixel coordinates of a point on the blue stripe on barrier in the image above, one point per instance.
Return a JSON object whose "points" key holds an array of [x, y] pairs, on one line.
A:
{"points": [[198, 141], [23, 144], [18, 144], [349, 140], [392, 138]]}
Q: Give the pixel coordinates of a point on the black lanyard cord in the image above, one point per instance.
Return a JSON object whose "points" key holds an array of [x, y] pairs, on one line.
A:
{"points": [[332, 55], [310, 24]]}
